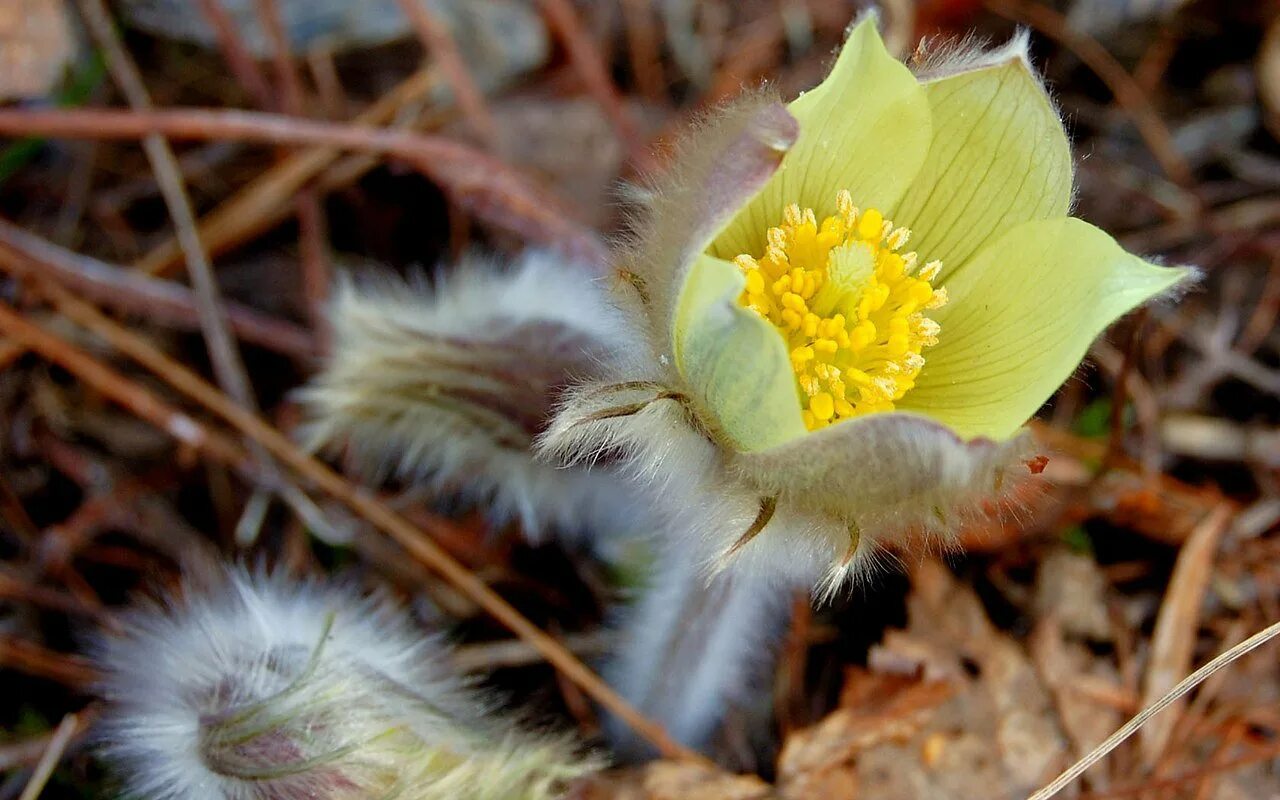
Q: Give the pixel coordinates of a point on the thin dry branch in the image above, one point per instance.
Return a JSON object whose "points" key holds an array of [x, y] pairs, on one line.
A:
{"points": [[134, 398], [66, 668], [484, 185], [440, 45], [24, 254], [238, 58], [223, 352], [264, 201], [62, 736], [585, 56]]}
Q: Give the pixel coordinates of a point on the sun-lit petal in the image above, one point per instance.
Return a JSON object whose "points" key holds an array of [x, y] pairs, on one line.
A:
{"points": [[999, 157], [1021, 316], [865, 128], [734, 361]]}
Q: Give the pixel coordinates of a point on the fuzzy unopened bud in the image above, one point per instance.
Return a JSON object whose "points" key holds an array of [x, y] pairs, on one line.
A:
{"points": [[448, 387], [266, 688]]}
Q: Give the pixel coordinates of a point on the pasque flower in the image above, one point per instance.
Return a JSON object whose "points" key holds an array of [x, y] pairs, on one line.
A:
{"points": [[852, 304], [261, 687]]}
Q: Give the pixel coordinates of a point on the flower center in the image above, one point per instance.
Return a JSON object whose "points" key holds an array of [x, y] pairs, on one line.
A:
{"points": [[850, 306]]}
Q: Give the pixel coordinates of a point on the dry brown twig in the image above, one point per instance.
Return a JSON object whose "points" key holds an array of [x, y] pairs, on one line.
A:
{"points": [[239, 60], [33, 659], [1172, 644], [441, 46], [585, 56], [311, 226], [223, 352], [163, 302], [263, 202], [480, 183]]}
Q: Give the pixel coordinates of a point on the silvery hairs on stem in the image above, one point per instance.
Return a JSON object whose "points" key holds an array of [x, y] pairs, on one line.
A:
{"points": [[693, 646], [448, 386], [265, 687]]}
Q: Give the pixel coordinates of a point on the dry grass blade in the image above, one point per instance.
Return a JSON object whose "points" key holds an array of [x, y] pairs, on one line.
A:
{"points": [[223, 352], [52, 755], [586, 58], [1176, 693], [238, 58], [34, 659]]}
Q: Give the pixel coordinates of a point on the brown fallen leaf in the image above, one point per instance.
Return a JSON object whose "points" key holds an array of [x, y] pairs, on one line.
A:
{"points": [[998, 736], [876, 709], [669, 780], [1071, 588], [1072, 673]]}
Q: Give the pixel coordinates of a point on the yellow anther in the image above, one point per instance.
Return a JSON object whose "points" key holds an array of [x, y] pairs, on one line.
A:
{"points": [[870, 225], [810, 324], [921, 292], [850, 308], [862, 335], [823, 406], [892, 266]]}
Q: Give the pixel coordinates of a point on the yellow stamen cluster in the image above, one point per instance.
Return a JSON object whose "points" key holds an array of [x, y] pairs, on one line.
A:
{"points": [[850, 306]]}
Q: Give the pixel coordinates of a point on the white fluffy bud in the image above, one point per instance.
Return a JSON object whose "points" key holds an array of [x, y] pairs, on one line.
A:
{"points": [[265, 688]]}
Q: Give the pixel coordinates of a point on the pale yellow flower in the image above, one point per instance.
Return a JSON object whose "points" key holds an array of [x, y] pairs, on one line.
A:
{"points": [[854, 303]]}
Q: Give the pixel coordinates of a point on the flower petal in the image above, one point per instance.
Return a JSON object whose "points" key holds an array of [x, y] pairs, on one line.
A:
{"points": [[884, 472], [734, 361], [865, 128], [999, 157], [715, 171], [1021, 316]]}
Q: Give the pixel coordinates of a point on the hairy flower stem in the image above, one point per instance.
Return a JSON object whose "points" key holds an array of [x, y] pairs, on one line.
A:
{"points": [[693, 646]]}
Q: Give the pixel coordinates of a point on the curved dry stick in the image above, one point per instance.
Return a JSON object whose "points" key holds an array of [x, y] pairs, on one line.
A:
{"points": [[161, 301], [487, 186]]}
